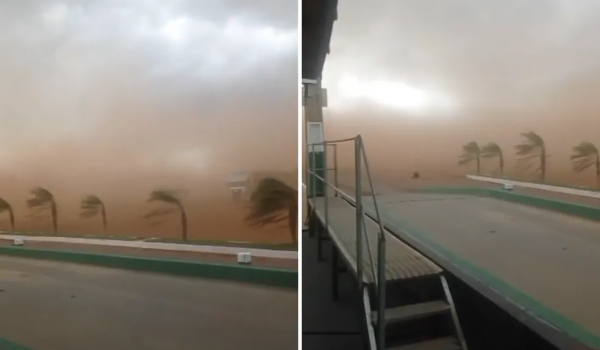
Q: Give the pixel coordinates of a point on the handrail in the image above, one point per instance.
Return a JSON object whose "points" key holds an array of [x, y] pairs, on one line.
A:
{"points": [[361, 232]]}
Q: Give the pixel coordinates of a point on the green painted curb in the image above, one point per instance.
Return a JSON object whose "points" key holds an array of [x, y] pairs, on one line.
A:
{"points": [[284, 278], [532, 305], [8, 345]]}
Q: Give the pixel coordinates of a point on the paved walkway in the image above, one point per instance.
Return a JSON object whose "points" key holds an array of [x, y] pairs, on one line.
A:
{"points": [[59, 306]]}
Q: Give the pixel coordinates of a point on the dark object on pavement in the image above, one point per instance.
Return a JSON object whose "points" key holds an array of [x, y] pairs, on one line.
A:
{"points": [[416, 175]]}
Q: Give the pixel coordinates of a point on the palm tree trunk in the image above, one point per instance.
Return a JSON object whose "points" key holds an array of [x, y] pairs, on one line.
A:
{"points": [[543, 165], [11, 217], [54, 214], [501, 165], [104, 223], [478, 165], [598, 171], [184, 223], [293, 222]]}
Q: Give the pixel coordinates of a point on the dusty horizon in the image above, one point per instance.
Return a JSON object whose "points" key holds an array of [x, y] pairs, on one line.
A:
{"points": [[418, 81], [117, 100]]}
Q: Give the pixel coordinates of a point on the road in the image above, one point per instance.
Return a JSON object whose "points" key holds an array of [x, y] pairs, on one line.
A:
{"points": [[59, 306], [552, 257]]}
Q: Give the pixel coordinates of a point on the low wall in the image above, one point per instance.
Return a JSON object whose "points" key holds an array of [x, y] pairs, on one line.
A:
{"points": [[283, 278], [539, 186], [182, 247]]}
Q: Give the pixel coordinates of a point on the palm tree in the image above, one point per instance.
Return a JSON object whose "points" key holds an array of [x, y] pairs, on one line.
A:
{"points": [[5, 206], [42, 200], [492, 150], [169, 197], [273, 201], [533, 148], [92, 205], [586, 155], [470, 153]]}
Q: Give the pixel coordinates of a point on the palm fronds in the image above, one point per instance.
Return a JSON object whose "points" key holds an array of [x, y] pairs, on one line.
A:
{"points": [[586, 155], [531, 149], [91, 206], [492, 150], [273, 201], [169, 197], [470, 153], [44, 199]]}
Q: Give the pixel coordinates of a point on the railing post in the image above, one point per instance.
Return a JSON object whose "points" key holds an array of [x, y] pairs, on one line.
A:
{"points": [[313, 179], [307, 172], [381, 293], [359, 211], [335, 168], [325, 186]]}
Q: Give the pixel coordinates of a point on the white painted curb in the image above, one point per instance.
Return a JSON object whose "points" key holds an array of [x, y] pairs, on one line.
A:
{"points": [[264, 253], [550, 188]]}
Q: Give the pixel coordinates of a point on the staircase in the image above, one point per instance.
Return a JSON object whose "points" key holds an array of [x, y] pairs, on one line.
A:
{"points": [[419, 315]]}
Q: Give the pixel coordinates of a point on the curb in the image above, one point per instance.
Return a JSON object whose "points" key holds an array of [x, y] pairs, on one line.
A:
{"points": [[283, 278], [5, 344]]}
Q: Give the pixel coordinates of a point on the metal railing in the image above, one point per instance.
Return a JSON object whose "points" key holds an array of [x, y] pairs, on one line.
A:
{"points": [[360, 160]]}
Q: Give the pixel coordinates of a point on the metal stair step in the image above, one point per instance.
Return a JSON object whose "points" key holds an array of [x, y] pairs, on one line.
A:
{"points": [[412, 311], [446, 343]]}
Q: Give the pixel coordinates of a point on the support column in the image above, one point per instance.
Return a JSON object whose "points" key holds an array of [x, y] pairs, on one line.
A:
{"points": [[314, 100]]}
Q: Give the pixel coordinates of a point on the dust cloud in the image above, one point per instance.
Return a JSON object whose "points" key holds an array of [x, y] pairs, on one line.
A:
{"points": [[508, 66], [117, 101]]}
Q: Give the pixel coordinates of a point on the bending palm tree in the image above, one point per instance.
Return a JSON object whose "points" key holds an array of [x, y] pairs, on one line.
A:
{"points": [[42, 200], [6, 207], [169, 197], [273, 201], [533, 148], [492, 150], [586, 155], [470, 153], [91, 206]]}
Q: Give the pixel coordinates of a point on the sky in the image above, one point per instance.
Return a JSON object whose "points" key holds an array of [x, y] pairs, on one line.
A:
{"points": [[440, 73], [141, 87]]}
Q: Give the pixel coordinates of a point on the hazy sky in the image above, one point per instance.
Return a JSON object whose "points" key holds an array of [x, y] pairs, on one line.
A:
{"points": [[120, 86], [451, 71]]}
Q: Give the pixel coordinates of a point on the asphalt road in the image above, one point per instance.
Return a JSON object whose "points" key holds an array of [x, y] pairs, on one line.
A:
{"points": [[58, 306], [552, 257]]}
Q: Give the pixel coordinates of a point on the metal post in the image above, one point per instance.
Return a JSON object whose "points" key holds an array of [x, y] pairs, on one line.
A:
{"points": [[307, 172], [335, 168], [326, 186], [381, 294], [312, 162], [359, 211], [335, 270]]}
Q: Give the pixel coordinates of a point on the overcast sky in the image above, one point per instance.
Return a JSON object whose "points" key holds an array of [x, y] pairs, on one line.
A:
{"points": [[141, 84]]}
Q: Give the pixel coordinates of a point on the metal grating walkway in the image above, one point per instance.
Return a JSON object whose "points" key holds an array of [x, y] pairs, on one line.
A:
{"points": [[402, 262]]}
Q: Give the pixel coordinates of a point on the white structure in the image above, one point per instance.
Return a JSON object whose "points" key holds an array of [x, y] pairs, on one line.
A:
{"points": [[244, 258], [238, 184], [508, 186]]}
